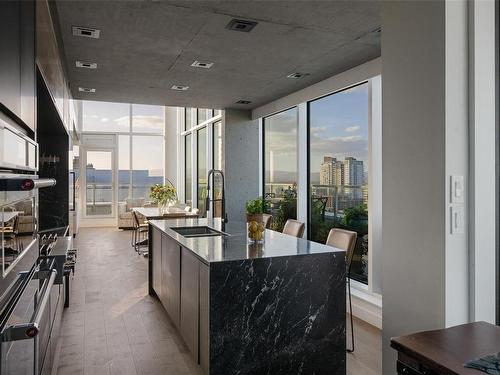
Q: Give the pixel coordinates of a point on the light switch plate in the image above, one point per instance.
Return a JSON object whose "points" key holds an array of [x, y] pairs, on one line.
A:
{"points": [[457, 220], [457, 187]]}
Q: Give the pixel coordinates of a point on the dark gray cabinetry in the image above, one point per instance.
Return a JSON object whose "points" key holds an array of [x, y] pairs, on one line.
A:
{"points": [[157, 262], [204, 317], [190, 300], [170, 278], [17, 65]]}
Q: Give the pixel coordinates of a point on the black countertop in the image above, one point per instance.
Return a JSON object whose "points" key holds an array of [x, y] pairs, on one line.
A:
{"points": [[234, 246]]}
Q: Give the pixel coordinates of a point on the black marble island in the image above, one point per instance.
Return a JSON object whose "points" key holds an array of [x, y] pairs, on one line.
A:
{"points": [[276, 308]]}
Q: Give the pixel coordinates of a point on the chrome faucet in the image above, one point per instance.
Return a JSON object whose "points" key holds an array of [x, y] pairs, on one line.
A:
{"points": [[212, 172]]}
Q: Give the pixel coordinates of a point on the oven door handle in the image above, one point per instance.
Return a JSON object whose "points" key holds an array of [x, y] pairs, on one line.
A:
{"points": [[29, 330]]}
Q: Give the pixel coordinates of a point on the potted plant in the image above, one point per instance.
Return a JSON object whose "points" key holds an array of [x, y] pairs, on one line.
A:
{"points": [[164, 195], [255, 223]]}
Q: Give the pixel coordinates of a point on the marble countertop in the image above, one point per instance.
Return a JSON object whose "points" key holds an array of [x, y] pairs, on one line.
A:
{"points": [[234, 246]]}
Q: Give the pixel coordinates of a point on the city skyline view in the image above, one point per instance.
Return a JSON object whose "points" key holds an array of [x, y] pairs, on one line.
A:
{"points": [[338, 128]]}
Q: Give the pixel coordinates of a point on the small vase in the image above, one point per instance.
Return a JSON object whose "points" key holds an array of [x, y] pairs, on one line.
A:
{"points": [[255, 229], [163, 208]]}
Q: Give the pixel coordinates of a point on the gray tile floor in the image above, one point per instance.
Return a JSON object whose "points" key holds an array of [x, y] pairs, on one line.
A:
{"points": [[113, 327]]}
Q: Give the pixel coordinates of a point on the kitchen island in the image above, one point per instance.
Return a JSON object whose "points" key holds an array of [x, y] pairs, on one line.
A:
{"points": [[276, 308]]}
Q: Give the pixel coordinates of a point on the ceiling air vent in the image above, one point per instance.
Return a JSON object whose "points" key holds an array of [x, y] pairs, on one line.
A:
{"points": [[243, 102], [86, 32], [86, 65], [180, 88], [202, 64], [241, 25], [297, 75], [86, 89]]}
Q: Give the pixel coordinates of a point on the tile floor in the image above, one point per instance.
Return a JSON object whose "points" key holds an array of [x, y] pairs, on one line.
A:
{"points": [[113, 327]]}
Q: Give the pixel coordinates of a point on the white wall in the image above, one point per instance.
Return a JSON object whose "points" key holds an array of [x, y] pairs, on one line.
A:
{"points": [[482, 133], [413, 154], [439, 121], [241, 161], [457, 159]]}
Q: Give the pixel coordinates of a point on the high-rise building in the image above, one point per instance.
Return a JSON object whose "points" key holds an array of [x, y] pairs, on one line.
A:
{"points": [[353, 172], [341, 173], [330, 172]]}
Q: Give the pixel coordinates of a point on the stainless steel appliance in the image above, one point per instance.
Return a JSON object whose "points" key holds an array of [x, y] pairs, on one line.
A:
{"points": [[30, 294], [17, 150], [30, 285]]}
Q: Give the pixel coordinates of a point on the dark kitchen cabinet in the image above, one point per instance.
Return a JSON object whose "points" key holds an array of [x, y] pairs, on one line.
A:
{"points": [[204, 317], [190, 266], [157, 262], [170, 290], [17, 65]]}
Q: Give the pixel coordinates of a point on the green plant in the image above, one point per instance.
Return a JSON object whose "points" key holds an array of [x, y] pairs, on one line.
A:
{"points": [[354, 213], [287, 210], [163, 194], [256, 206]]}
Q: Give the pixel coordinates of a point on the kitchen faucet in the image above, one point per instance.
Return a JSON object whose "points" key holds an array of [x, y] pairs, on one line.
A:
{"points": [[222, 198]]}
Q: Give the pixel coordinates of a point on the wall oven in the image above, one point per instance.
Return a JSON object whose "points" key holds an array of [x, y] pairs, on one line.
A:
{"points": [[30, 294]]}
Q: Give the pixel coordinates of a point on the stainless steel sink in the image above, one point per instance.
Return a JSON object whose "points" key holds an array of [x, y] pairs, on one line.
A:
{"points": [[199, 231]]}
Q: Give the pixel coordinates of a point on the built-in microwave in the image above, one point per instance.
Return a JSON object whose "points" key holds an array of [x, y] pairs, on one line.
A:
{"points": [[17, 150]]}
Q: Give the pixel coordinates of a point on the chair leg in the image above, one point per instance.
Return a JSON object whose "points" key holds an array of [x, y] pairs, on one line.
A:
{"points": [[350, 314]]}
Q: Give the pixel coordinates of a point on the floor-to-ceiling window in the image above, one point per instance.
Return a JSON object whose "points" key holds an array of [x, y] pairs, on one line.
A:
{"points": [[201, 164], [200, 133], [280, 165], [338, 169], [217, 164], [139, 130], [188, 171]]}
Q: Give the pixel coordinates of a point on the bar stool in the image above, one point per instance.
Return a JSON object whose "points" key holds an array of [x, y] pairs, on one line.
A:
{"points": [[140, 234], [294, 228], [267, 220], [345, 240]]}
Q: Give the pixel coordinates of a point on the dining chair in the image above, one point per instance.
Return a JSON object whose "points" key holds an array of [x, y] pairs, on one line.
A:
{"points": [[140, 233], [345, 240], [267, 220], [294, 228]]}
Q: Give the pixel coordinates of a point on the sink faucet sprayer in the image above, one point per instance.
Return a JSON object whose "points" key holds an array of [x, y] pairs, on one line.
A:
{"points": [[221, 199]]}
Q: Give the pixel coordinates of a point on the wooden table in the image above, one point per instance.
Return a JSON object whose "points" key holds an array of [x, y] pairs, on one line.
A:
{"points": [[444, 351], [153, 213]]}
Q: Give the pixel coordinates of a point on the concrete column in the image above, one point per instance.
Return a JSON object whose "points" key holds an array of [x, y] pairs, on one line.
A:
{"points": [[241, 161]]}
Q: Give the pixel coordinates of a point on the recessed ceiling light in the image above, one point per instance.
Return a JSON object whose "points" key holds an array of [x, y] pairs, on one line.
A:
{"points": [[297, 75], [86, 89], [87, 65], [86, 32], [202, 64], [241, 25], [243, 102], [180, 88]]}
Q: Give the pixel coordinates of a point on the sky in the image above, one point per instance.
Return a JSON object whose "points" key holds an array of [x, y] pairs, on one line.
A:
{"points": [[339, 128], [114, 117]]}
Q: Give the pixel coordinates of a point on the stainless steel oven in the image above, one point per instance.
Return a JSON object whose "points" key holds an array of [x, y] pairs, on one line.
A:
{"points": [[30, 296], [31, 311]]}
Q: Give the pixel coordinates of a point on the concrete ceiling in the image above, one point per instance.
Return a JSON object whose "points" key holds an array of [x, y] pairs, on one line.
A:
{"points": [[147, 46]]}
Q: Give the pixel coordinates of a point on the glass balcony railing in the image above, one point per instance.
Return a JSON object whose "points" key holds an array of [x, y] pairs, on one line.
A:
{"points": [[99, 197], [343, 207]]}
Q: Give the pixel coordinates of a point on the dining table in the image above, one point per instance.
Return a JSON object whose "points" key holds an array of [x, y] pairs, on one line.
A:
{"points": [[153, 213]]}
